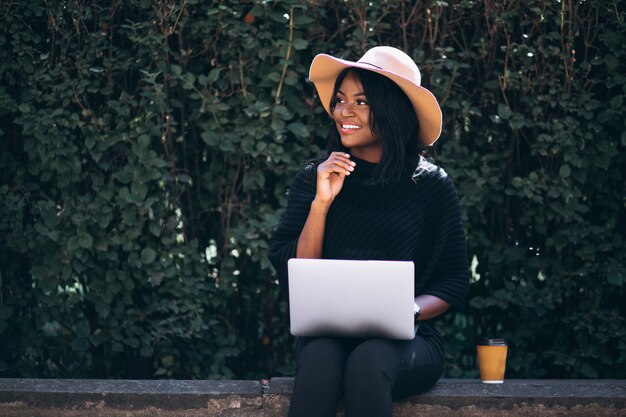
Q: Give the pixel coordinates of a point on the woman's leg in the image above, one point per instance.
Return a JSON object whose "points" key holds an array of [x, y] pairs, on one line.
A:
{"points": [[380, 370], [319, 376]]}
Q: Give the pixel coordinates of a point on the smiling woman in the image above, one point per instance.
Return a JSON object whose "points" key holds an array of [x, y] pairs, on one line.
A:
{"points": [[381, 110], [351, 114], [374, 196]]}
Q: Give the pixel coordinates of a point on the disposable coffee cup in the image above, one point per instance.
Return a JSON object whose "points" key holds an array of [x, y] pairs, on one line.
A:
{"points": [[492, 360]]}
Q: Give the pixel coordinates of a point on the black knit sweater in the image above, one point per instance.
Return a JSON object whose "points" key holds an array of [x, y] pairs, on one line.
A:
{"points": [[416, 218]]}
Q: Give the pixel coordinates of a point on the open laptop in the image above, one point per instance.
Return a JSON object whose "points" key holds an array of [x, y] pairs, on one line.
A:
{"points": [[351, 298]]}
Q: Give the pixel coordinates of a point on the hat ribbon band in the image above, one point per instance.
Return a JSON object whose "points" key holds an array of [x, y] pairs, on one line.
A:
{"points": [[363, 62]]}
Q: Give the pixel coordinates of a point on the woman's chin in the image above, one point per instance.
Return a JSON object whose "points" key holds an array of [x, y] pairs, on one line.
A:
{"points": [[347, 142]]}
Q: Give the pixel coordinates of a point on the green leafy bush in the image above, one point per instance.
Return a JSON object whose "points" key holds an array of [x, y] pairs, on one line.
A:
{"points": [[147, 147]]}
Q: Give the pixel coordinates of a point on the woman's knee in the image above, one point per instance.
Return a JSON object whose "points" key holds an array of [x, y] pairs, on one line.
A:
{"points": [[322, 354]]}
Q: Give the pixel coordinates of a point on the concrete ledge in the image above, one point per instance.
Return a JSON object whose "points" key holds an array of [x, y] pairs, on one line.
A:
{"points": [[523, 398], [166, 395], [450, 397]]}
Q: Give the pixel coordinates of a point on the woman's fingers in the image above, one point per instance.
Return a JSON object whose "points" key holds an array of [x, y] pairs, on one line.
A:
{"points": [[341, 156], [329, 185], [338, 168], [339, 163]]}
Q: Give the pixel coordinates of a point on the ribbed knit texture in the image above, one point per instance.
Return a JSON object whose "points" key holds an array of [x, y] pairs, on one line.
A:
{"points": [[416, 218]]}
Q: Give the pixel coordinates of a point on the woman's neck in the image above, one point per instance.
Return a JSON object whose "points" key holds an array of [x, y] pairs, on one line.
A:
{"points": [[370, 155]]}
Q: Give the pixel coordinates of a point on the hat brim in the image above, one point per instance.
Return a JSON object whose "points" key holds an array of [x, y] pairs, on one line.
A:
{"points": [[325, 69]]}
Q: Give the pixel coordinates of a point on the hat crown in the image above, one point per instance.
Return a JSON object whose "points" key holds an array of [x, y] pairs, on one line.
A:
{"points": [[393, 60]]}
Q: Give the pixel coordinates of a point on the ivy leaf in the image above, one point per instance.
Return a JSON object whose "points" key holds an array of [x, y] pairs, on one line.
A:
{"points": [[298, 129], [85, 240], [176, 69], [615, 278], [504, 111], [300, 44], [147, 256], [565, 171]]}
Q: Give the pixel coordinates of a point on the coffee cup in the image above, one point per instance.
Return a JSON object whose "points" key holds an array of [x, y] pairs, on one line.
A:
{"points": [[492, 360]]}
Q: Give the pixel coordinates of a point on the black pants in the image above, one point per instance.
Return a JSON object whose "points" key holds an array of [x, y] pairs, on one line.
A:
{"points": [[368, 373]]}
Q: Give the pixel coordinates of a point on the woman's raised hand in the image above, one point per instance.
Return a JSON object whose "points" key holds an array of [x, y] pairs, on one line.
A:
{"points": [[330, 176]]}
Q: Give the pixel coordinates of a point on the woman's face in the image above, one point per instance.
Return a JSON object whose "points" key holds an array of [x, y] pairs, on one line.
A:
{"points": [[352, 118]]}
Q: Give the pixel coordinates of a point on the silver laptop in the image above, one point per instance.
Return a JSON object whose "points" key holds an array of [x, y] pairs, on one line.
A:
{"points": [[351, 298]]}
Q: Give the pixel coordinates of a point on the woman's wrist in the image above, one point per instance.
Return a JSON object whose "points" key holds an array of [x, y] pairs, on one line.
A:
{"points": [[321, 206], [430, 306]]}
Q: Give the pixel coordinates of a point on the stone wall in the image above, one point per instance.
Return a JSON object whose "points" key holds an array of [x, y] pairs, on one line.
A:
{"points": [[175, 398]]}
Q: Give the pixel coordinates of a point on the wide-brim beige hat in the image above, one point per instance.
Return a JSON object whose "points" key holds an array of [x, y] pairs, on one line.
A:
{"points": [[393, 64]]}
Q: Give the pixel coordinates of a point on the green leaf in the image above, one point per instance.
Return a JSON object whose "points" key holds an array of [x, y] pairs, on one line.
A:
{"points": [[588, 372], [155, 229], [85, 240], [210, 138], [282, 111], [214, 75], [298, 129], [148, 256], [123, 176], [82, 328], [103, 309], [611, 61], [176, 69], [146, 351], [300, 44], [504, 111], [302, 20], [6, 312], [616, 278], [81, 344], [133, 342], [617, 101]]}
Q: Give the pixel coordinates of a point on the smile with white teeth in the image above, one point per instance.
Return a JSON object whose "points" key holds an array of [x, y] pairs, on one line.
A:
{"points": [[354, 127]]}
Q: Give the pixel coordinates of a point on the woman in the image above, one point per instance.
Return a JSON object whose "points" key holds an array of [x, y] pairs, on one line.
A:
{"points": [[374, 197]]}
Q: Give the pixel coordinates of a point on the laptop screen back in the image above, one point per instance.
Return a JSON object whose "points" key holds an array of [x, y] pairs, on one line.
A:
{"points": [[351, 298]]}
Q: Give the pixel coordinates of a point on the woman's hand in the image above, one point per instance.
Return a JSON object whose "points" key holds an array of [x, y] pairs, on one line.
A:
{"points": [[330, 176]]}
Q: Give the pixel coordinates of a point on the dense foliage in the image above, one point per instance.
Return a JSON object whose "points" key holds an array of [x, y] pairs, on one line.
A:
{"points": [[146, 147]]}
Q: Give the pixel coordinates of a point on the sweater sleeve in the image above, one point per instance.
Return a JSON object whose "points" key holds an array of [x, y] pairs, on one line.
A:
{"points": [[284, 241], [450, 278]]}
